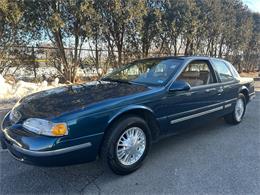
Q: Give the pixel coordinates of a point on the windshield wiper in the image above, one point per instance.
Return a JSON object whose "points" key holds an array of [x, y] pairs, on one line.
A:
{"points": [[116, 80]]}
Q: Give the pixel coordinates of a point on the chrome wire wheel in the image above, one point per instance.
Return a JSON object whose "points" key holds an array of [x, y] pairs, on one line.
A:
{"points": [[131, 146], [239, 109]]}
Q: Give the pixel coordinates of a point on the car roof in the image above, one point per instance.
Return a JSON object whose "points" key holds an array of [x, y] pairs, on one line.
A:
{"points": [[181, 57]]}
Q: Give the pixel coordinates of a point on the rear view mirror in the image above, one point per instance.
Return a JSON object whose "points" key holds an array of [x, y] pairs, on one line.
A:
{"points": [[179, 86]]}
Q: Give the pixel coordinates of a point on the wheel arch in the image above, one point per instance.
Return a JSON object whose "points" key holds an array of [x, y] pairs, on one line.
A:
{"points": [[141, 111], [244, 90]]}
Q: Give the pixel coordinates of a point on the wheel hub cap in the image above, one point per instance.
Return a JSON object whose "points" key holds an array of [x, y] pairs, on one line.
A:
{"points": [[239, 109], [131, 146]]}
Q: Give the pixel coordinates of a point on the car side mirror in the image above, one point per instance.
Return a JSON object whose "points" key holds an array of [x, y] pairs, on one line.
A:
{"points": [[180, 86]]}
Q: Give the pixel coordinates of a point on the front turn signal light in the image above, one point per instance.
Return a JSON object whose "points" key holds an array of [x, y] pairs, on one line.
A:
{"points": [[59, 129]]}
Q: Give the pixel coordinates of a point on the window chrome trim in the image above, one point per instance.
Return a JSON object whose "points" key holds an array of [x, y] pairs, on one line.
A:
{"points": [[216, 84], [206, 86]]}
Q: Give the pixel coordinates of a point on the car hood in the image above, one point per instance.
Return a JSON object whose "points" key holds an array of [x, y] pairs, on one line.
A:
{"points": [[54, 102]]}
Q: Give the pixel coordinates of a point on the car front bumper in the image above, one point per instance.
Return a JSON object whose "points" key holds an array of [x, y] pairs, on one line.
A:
{"points": [[48, 151]]}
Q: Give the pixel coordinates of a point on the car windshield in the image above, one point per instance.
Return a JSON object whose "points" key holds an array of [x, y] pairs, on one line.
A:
{"points": [[149, 71]]}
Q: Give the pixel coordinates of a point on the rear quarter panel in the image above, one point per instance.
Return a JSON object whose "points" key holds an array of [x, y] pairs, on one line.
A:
{"points": [[247, 83]]}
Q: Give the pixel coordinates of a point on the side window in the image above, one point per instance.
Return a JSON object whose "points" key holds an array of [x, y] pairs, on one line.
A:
{"points": [[233, 70], [197, 73], [224, 72]]}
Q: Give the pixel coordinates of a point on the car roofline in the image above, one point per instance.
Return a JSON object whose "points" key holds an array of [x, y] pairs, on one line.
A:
{"points": [[183, 57]]}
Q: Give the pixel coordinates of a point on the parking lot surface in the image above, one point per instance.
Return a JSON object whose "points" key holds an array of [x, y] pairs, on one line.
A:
{"points": [[215, 159]]}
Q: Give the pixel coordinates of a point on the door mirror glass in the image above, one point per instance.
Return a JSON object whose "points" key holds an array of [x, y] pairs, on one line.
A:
{"points": [[179, 86]]}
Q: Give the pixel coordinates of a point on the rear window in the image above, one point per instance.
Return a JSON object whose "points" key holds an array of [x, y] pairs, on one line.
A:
{"points": [[233, 70], [223, 71]]}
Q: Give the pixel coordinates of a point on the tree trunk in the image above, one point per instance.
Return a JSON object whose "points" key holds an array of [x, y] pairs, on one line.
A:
{"points": [[97, 57], [119, 49], [211, 51], [145, 47], [186, 52], [59, 44], [191, 48], [175, 46], [221, 47], [34, 63]]}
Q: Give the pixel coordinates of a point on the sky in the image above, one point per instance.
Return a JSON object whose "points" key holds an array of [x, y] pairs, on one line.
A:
{"points": [[254, 5]]}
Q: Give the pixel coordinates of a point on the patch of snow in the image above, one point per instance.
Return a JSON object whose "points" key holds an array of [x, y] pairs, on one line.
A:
{"points": [[44, 84], [10, 92], [25, 73], [48, 72], [2, 80], [55, 82]]}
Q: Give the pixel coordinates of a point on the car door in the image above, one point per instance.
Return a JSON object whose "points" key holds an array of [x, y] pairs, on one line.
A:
{"points": [[186, 108]]}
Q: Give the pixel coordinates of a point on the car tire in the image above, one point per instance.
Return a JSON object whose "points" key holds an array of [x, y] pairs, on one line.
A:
{"points": [[126, 145], [238, 113]]}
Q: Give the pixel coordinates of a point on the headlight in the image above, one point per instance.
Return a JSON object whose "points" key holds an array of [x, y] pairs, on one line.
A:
{"points": [[15, 116], [44, 127]]}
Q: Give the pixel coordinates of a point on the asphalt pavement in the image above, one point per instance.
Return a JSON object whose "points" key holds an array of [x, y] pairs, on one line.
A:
{"points": [[215, 159]]}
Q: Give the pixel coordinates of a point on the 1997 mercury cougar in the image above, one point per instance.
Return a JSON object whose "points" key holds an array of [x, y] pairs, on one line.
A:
{"points": [[118, 117]]}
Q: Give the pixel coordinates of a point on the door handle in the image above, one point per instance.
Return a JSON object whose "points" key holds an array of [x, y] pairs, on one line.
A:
{"points": [[209, 90], [220, 91]]}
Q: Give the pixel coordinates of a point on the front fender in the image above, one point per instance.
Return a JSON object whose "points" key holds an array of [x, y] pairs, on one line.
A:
{"points": [[243, 88], [142, 111], [129, 109]]}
